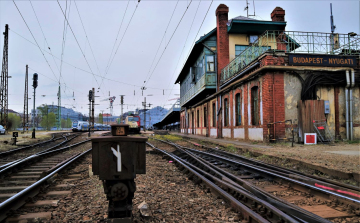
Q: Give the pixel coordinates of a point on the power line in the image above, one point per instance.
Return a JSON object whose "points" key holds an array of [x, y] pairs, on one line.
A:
{"points": [[34, 38], [64, 38], [77, 43], [184, 47], [122, 38], [87, 37], [115, 41], [43, 33], [168, 43], [85, 71], [162, 39]]}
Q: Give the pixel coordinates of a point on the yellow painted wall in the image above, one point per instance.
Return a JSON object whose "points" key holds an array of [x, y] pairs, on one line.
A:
{"points": [[236, 39], [327, 94], [243, 39]]}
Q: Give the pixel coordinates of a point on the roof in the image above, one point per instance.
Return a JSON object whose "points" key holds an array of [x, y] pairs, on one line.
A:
{"points": [[239, 24], [196, 50]]}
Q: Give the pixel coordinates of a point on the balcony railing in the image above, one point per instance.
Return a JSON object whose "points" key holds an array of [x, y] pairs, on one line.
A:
{"points": [[206, 80], [293, 42]]}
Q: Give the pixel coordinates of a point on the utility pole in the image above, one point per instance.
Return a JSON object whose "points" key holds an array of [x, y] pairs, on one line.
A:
{"points": [[149, 114], [102, 115], [122, 103], [35, 84], [4, 80], [144, 104], [59, 109], [90, 101], [26, 102], [93, 109]]}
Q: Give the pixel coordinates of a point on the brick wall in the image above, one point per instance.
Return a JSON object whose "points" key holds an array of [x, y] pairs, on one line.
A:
{"points": [[222, 39]]}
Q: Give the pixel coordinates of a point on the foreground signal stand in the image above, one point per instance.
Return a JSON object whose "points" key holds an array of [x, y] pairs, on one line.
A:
{"points": [[116, 160]]}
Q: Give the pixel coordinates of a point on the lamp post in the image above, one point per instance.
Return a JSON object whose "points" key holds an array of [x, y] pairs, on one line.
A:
{"points": [[35, 84]]}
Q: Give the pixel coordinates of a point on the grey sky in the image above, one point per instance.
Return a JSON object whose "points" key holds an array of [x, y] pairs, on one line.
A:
{"points": [[132, 63]]}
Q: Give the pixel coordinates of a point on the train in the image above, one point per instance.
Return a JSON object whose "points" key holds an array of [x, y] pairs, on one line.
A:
{"points": [[134, 123], [82, 126]]}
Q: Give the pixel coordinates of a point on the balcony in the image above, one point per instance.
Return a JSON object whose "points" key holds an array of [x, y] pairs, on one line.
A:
{"points": [[208, 80], [293, 42]]}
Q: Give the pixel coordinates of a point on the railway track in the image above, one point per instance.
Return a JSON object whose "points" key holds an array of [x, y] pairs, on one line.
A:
{"points": [[12, 156], [23, 179], [261, 187]]}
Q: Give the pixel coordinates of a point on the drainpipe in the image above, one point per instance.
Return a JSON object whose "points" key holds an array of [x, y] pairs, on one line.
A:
{"points": [[351, 104], [347, 103], [273, 96]]}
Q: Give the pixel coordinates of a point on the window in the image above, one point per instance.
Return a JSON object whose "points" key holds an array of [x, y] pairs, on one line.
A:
{"points": [[205, 117], [239, 49], [226, 112], [198, 119], [256, 50], [254, 106], [237, 110], [214, 115], [210, 64]]}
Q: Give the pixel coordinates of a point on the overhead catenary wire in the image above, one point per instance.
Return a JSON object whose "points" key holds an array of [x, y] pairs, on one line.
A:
{"points": [[184, 47], [92, 52], [167, 44], [64, 38], [78, 43], [83, 70], [117, 35], [34, 39], [122, 38], [48, 45], [162, 39]]}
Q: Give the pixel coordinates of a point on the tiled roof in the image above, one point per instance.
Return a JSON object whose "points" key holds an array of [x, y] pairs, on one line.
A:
{"points": [[240, 18]]}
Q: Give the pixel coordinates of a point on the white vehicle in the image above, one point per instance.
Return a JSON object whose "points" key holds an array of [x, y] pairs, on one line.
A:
{"points": [[80, 126], [2, 130]]}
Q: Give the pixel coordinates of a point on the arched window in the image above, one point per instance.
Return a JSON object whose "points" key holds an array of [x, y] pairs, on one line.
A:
{"points": [[214, 115], [254, 106], [226, 112], [205, 117], [237, 109]]}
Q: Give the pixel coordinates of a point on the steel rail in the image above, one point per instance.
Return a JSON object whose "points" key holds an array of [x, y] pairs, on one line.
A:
{"points": [[294, 183], [247, 213], [272, 213], [51, 148], [2, 154], [290, 173], [20, 198], [37, 156], [293, 210]]}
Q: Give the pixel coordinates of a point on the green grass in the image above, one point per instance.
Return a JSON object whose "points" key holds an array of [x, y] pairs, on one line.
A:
{"points": [[353, 142], [231, 148]]}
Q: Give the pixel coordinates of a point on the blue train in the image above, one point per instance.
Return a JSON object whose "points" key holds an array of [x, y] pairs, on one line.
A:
{"points": [[82, 126]]}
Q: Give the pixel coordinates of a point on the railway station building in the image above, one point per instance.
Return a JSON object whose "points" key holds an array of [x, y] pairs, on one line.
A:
{"points": [[253, 80]]}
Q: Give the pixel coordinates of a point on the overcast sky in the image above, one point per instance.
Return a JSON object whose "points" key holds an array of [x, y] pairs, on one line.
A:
{"points": [[135, 60]]}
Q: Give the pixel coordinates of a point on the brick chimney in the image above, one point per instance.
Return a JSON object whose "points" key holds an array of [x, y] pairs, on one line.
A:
{"points": [[278, 15], [222, 39]]}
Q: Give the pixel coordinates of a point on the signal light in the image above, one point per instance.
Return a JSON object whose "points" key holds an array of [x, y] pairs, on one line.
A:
{"points": [[35, 80]]}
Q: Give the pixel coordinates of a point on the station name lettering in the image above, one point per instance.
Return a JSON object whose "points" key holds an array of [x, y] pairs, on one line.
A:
{"points": [[316, 60]]}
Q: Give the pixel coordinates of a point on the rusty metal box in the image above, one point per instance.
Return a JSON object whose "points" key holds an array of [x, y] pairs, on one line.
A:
{"points": [[133, 157]]}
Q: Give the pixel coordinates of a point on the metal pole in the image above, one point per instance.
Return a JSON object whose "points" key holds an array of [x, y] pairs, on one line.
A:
{"points": [[92, 110], [144, 114], [34, 113]]}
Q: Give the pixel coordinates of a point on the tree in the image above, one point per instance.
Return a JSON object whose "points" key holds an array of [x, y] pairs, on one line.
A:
{"points": [[101, 118], [14, 121], [68, 123], [48, 121]]}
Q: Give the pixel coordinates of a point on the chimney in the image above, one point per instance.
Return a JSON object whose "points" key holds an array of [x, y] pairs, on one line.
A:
{"points": [[278, 15], [222, 40]]}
